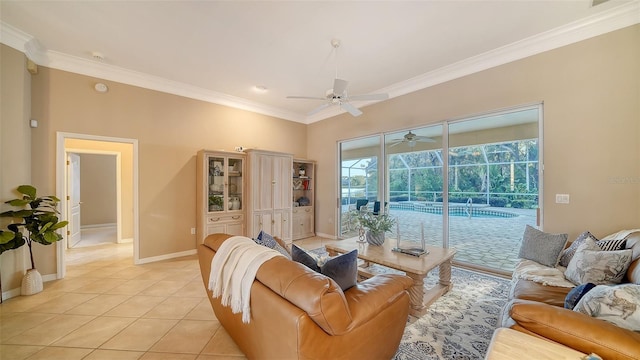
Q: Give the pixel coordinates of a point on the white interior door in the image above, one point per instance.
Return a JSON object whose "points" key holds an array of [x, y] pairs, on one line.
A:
{"points": [[73, 167]]}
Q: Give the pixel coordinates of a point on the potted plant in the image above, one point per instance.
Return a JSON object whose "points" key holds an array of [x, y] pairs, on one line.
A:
{"points": [[376, 225], [38, 221]]}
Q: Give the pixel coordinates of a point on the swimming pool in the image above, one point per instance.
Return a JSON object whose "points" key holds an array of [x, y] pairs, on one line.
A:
{"points": [[454, 210]]}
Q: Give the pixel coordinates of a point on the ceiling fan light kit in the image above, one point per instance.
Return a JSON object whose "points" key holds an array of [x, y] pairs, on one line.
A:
{"points": [[338, 94]]}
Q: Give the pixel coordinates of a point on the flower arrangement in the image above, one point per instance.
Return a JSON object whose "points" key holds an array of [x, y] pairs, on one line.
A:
{"points": [[375, 223]]}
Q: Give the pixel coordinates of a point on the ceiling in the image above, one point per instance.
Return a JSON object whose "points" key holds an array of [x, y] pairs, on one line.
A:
{"points": [[219, 51]]}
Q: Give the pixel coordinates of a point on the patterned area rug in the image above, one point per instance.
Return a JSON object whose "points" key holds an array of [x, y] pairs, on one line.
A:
{"points": [[459, 325]]}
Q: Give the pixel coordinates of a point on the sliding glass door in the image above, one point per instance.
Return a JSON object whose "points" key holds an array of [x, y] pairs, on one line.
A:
{"points": [[359, 180], [493, 186], [471, 184], [414, 174]]}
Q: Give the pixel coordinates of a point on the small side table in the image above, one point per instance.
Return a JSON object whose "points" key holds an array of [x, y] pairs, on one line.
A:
{"points": [[508, 344]]}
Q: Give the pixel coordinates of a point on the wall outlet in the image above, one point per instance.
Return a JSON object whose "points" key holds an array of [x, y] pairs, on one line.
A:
{"points": [[193, 231], [562, 198]]}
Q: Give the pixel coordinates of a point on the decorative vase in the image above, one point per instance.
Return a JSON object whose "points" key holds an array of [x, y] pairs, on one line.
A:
{"points": [[375, 238], [31, 282], [235, 204]]}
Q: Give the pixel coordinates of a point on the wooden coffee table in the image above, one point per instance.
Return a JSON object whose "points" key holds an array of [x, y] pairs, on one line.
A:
{"points": [[415, 267]]}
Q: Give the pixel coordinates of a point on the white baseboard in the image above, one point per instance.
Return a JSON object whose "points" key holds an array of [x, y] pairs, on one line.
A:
{"points": [[166, 257], [10, 294], [326, 236], [125, 241], [93, 226]]}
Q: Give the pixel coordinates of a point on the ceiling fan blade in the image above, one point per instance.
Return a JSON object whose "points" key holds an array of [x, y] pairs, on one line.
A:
{"points": [[318, 109], [351, 109], [369, 97], [306, 97], [339, 86], [396, 143]]}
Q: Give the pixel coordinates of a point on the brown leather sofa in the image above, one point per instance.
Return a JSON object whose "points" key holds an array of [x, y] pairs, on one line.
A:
{"points": [[297, 313], [538, 310]]}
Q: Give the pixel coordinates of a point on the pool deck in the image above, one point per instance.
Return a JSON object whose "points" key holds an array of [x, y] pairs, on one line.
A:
{"points": [[483, 241]]}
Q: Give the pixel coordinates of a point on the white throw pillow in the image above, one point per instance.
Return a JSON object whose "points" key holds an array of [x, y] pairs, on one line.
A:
{"points": [[619, 304], [592, 265]]}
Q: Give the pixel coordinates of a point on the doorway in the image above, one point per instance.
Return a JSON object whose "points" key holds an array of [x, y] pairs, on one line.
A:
{"points": [[125, 153], [93, 188]]}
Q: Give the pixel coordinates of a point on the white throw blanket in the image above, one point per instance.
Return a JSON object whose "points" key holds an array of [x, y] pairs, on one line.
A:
{"points": [[233, 270], [620, 234], [531, 270]]}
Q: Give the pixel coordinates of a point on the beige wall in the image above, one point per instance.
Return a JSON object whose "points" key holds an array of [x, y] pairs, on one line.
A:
{"points": [[98, 189], [15, 153], [591, 134], [169, 129]]}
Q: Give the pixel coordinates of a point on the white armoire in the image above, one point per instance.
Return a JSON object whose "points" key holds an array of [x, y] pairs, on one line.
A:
{"points": [[269, 194]]}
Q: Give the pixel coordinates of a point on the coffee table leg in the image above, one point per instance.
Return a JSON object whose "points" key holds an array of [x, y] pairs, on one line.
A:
{"points": [[445, 274], [416, 295]]}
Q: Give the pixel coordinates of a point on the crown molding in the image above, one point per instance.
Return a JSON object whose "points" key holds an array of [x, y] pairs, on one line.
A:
{"points": [[606, 21], [616, 18]]}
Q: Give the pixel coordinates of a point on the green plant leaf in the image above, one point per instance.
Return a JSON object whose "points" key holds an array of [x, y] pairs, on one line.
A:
{"points": [[59, 225], [28, 190], [6, 236], [18, 202], [50, 237]]}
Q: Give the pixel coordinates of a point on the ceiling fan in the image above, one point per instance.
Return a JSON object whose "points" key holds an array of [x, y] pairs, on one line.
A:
{"points": [[411, 139], [338, 94]]}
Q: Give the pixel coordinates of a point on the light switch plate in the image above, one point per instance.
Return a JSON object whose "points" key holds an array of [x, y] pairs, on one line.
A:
{"points": [[562, 198]]}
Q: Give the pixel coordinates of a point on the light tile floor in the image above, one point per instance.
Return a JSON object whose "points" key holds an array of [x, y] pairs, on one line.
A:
{"points": [[108, 308]]}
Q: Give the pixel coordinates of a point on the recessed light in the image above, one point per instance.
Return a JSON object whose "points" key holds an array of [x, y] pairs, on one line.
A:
{"points": [[101, 88], [260, 88]]}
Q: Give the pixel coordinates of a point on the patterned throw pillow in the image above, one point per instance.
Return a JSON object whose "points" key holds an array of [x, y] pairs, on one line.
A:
{"points": [[590, 264], [267, 240], [605, 245], [542, 247], [343, 269], [618, 304]]}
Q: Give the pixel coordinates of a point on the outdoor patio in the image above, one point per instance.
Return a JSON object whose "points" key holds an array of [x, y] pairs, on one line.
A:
{"points": [[491, 242]]}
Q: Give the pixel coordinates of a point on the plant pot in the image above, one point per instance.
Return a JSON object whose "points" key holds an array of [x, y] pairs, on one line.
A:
{"points": [[376, 239], [31, 282]]}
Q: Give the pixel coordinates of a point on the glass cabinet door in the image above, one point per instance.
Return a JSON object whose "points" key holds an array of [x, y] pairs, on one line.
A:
{"points": [[235, 186], [216, 184]]}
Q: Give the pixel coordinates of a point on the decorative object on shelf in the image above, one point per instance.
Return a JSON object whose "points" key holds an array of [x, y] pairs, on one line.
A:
{"points": [[305, 184], [215, 203], [304, 201], [235, 204], [233, 188], [302, 170], [376, 225], [297, 184], [38, 222]]}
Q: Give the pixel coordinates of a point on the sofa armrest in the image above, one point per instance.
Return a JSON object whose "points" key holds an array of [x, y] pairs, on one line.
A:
{"points": [[368, 298], [576, 330]]}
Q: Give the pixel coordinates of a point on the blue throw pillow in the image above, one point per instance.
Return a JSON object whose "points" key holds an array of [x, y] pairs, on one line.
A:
{"points": [[576, 294], [267, 240], [343, 269], [298, 254]]}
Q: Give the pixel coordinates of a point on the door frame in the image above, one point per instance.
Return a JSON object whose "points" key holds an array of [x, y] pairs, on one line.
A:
{"points": [[61, 189], [118, 156]]}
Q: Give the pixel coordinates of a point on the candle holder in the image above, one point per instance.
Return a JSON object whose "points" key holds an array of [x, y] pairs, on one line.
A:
{"points": [[361, 238]]}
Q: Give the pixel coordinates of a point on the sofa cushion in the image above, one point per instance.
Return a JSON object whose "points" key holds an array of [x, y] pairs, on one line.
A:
{"points": [[343, 269], [606, 245], [541, 247], [590, 264], [533, 291], [576, 294], [619, 304], [270, 242]]}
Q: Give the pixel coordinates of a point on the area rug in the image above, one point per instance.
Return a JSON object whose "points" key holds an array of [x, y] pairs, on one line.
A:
{"points": [[459, 325]]}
